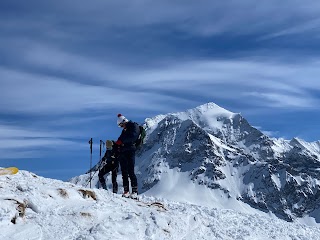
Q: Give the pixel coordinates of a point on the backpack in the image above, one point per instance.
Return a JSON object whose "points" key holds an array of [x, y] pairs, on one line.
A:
{"points": [[141, 137]]}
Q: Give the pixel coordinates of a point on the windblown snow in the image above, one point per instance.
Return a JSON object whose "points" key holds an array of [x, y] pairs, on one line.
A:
{"points": [[33, 207]]}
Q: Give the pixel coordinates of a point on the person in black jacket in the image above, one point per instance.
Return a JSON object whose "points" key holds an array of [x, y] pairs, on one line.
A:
{"points": [[126, 142], [110, 163]]}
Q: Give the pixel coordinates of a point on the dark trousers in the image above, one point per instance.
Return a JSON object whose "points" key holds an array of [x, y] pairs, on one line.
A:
{"points": [[109, 167], [127, 161]]}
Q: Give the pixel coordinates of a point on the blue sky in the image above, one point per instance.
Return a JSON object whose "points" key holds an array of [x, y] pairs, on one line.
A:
{"points": [[67, 68]]}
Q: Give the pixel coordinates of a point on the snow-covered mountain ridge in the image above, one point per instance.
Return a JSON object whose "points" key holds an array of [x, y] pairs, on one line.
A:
{"points": [[221, 150], [33, 207]]}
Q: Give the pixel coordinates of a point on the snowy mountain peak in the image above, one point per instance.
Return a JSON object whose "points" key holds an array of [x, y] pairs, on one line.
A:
{"points": [[222, 151], [211, 109], [209, 116], [297, 142], [313, 147], [205, 113]]}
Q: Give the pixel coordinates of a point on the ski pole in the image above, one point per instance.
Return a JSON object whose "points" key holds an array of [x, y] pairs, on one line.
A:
{"points": [[90, 142], [98, 168], [91, 177], [101, 143], [101, 148]]}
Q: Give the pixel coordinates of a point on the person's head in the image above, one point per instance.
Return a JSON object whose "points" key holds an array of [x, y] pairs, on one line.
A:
{"points": [[109, 144], [121, 120]]}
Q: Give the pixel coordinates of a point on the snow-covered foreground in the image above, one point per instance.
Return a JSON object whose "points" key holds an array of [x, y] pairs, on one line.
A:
{"points": [[33, 207]]}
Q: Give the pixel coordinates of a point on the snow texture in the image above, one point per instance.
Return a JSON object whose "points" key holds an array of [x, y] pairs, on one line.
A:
{"points": [[33, 207]]}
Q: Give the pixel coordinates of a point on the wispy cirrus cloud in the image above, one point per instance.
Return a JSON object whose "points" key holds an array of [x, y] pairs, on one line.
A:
{"points": [[16, 131], [309, 26], [283, 100], [26, 142], [273, 82], [204, 18], [40, 94]]}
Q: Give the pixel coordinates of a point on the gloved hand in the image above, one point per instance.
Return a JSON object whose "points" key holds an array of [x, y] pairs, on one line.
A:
{"points": [[119, 142], [103, 162]]}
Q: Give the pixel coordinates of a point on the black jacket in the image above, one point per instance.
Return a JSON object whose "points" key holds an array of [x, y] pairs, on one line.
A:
{"points": [[128, 136], [111, 155]]}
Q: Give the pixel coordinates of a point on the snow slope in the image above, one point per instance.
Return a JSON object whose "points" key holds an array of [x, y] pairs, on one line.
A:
{"points": [[33, 207]]}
